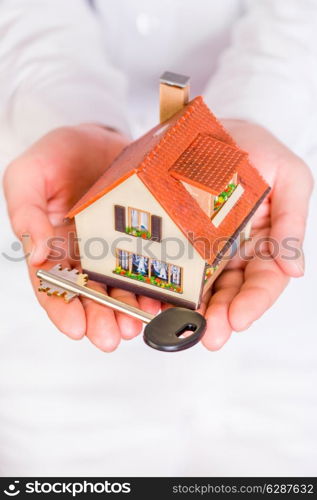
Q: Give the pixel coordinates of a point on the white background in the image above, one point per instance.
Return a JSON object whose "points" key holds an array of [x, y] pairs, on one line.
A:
{"points": [[68, 409]]}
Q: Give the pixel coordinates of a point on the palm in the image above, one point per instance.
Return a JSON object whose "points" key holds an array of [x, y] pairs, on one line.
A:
{"points": [[71, 161], [59, 169], [251, 283]]}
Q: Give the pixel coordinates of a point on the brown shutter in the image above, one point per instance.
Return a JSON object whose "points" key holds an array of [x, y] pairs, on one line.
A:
{"points": [[156, 228], [119, 218]]}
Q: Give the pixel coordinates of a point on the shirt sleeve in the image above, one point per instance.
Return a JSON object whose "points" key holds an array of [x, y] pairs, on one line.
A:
{"points": [[54, 71], [268, 75]]}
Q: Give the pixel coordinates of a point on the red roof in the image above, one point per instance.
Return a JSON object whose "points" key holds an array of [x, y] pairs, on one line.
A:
{"points": [[156, 158], [208, 164]]}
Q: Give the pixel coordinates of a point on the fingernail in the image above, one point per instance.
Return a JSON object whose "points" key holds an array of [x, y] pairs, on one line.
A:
{"points": [[36, 256], [32, 257]]}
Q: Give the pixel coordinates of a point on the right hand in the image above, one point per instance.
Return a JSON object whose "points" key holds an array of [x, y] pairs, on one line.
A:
{"points": [[40, 188]]}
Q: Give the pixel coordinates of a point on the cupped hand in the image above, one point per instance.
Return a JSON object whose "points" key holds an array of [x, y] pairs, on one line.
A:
{"points": [[40, 187], [255, 278], [44, 182]]}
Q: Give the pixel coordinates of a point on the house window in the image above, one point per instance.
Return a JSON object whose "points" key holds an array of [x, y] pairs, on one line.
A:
{"points": [[159, 270], [226, 207], [138, 223], [210, 270], [123, 259], [175, 275], [151, 271], [140, 265], [223, 196], [139, 219]]}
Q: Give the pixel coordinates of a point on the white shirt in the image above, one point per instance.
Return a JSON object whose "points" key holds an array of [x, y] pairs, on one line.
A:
{"points": [[69, 409], [65, 62]]}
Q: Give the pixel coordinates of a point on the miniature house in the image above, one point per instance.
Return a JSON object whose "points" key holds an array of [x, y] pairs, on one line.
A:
{"points": [[163, 216]]}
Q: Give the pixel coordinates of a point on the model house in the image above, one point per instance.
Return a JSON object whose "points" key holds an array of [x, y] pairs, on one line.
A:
{"points": [[163, 216]]}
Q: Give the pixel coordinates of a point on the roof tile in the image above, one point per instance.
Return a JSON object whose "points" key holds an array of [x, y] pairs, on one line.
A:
{"points": [[208, 163]]}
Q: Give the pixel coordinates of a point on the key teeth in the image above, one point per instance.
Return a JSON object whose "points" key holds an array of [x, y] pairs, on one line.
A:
{"points": [[42, 287], [73, 274], [67, 296], [82, 279], [51, 290], [57, 267]]}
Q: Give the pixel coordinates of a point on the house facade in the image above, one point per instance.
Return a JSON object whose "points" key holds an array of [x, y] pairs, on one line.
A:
{"points": [[155, 259]]}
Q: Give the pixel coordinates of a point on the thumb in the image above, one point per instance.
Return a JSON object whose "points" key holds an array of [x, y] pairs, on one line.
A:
{"points": [[290, 202], [32, 223], [27, 206]]}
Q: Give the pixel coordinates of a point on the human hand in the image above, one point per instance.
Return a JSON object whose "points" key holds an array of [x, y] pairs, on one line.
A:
{"points": [[40, 187], [248, 287]]}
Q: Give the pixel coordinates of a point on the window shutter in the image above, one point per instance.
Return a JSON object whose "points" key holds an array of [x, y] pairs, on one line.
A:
{"points": [[156, 228], [119, 218]]}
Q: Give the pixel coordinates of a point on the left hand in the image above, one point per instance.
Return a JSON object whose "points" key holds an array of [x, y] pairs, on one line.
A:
{"points": [[247, 288], [40, 187]]}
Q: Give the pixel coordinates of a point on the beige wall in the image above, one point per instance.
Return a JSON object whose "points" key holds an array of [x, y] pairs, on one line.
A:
{"points": [[97, 221]]}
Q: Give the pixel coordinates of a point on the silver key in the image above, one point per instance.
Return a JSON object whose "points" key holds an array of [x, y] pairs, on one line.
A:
{"points": [[168, 331], [69, 284]]}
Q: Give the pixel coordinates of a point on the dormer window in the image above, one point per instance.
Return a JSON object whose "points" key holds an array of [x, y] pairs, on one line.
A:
{"points": [[223, 196], [219, 200], [208, 169], [227, 206]]}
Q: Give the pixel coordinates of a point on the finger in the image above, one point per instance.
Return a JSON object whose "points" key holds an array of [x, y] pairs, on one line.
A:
{"points": [[219, 328], [149, 305], [264, 282], [289, 205], [129, 327], [204, 302], [257, 244], [102, 328], [26, 199], [40, 231], [68, 318]]}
